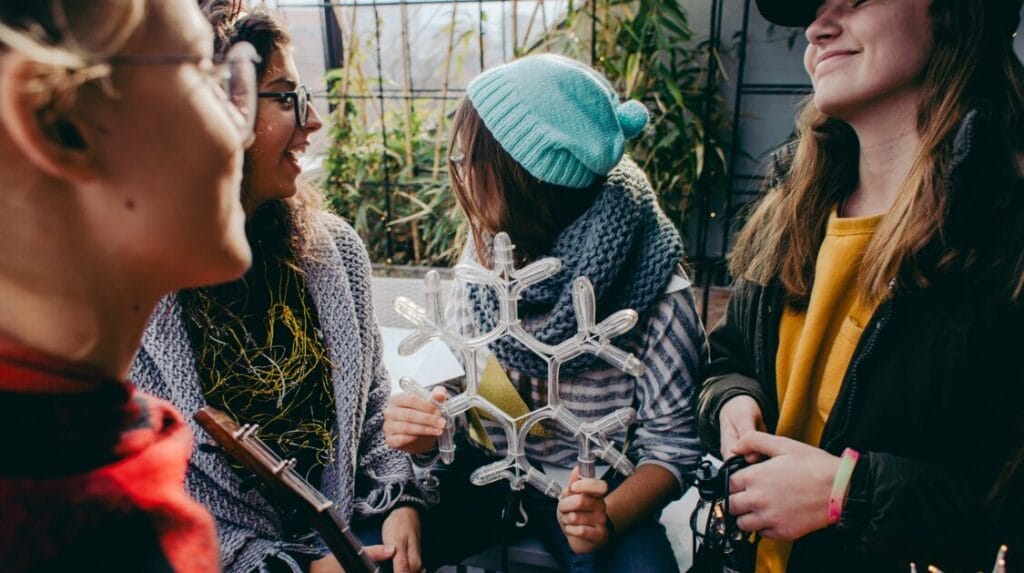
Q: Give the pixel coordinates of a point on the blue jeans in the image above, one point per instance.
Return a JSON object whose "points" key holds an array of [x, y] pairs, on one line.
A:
{"points": [[468, 520]]}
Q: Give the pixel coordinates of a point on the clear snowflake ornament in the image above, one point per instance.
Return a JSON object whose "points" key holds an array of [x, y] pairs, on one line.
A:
{"points": [[508, 283]]}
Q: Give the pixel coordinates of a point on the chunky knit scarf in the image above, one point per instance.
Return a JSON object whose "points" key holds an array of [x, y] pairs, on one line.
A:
{"points": [[624, 244]]}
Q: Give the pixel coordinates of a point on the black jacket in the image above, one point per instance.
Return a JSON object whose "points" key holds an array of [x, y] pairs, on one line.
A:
{"points": [[932, 398]]}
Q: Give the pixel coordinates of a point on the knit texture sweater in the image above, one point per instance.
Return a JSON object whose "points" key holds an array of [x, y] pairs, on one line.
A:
{"points": [[366, 478]]}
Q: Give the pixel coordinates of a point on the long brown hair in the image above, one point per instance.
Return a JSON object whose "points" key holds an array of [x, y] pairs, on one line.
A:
{"points": [[498, 194], [288, 226], [973, 65]]}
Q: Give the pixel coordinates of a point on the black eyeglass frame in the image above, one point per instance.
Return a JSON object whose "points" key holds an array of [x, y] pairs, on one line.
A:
{"points": [[301, 99]]}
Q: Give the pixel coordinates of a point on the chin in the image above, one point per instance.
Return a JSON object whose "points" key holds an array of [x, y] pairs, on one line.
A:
{"points": [[235, 260], [279, 192], [236, 245], [834, 107], [286, 186], [222, 265], [242, 260], [289, 191]]}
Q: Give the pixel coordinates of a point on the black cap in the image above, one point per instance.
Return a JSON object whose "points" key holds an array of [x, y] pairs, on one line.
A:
{"points": [[795, 13], [800, 13]]}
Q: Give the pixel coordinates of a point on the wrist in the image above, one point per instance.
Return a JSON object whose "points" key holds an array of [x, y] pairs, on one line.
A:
{"points": [[740, 408], [736, 400], [404, 507], [841, 484]]}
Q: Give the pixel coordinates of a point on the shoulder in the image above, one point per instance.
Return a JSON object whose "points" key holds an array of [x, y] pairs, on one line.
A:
{"points": [[779, 164], [627, 174], [339, 230], [675, 313], [676, 302], [342, 241]]}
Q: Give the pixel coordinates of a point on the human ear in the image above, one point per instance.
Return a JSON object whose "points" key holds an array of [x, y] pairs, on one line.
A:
{"points": [[51, 139]]}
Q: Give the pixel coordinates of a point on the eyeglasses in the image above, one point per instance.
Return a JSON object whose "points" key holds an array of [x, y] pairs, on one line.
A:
{"points": [[300, 100], [234, 76], [457, 162]]}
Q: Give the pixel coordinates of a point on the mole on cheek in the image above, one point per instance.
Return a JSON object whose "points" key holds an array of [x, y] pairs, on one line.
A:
{"points": [[129, 204]]}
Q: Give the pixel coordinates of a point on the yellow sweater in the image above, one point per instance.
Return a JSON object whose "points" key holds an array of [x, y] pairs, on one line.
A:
{"points": [[816, 345]]}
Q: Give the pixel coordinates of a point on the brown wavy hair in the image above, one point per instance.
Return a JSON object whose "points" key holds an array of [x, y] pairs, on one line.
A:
{"points": [[972, 66], [287, 226], [498, 194]]}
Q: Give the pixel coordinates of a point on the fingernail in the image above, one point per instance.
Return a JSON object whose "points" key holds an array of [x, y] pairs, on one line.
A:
{"points": [[441, 423], [389, 548]]}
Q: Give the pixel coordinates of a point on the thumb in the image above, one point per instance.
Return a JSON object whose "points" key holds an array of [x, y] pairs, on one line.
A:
{"points": [[379, 553], [439, 394], [761, 443]]}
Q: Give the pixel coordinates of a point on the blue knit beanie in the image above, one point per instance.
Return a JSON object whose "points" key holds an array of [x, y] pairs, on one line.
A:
{"points": [[560, 119]]}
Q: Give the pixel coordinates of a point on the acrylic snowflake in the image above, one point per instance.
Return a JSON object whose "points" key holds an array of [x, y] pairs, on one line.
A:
{"points": [[508, 283]]}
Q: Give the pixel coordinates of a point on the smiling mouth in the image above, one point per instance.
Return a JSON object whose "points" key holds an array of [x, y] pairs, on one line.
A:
{"points": [[832, 55]]}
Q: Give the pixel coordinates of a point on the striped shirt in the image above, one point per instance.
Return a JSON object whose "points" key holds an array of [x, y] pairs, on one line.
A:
{"points": [[673, 347]]}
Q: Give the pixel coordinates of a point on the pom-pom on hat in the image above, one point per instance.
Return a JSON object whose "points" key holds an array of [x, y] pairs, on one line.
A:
{"points": [[560, 119]]}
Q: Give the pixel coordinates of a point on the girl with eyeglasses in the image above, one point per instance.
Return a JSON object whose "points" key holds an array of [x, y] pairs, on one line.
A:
{"points": [[96, 224], [537, 151], [870, 357], [293, 346]]}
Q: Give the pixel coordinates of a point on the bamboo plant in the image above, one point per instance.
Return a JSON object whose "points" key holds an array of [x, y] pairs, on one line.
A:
{"points": [[645, 47]]}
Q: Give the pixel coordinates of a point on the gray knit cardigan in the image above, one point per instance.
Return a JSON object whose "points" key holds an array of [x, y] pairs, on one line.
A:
{"points": [[338, 277]]}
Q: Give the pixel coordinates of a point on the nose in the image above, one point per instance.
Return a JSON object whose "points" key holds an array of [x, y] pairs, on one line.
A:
{"points": [[825, 26], [313, 121]]}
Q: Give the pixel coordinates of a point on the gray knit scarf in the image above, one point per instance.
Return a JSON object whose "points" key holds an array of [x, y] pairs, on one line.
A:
{"points": [[624, 244]]}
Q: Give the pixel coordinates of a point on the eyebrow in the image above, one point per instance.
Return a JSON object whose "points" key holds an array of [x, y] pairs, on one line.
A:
{"points": [[290, 84]]}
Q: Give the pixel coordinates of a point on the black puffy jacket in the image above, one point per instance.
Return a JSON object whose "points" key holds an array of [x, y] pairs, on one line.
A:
{"points": [[933, 397]]}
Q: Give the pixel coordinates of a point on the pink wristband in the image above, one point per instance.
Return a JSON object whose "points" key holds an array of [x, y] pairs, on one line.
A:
{"points": [[841, 485]]}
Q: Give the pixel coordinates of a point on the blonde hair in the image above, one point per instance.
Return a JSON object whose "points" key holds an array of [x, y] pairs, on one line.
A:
{"points": [[973, 66], [71, 41]]}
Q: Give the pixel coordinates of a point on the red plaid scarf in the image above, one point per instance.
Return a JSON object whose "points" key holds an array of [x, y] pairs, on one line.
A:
{"points": [[92, 474]]}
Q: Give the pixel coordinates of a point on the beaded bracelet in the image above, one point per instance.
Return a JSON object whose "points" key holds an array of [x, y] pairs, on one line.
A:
{"points": [[841, 485]]}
